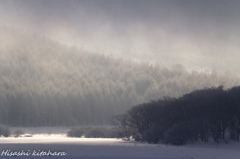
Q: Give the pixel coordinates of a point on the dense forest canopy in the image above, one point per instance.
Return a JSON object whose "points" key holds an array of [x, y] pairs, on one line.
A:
{"points": [[43, 82], [210, 113]]}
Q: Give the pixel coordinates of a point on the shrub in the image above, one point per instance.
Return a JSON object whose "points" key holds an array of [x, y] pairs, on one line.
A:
{"points": [[153, 135], [96, 133], [28, 135], [76, 132], [4, 130], [114, 133], [179, 134], [137, 137], [18, 133]]}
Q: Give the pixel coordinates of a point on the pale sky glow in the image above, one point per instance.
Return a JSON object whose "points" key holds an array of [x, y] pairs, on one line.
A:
{"points": [[197, 34]]}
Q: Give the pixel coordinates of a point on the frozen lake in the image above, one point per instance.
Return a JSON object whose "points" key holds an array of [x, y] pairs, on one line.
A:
{"points": [[89, 148]]}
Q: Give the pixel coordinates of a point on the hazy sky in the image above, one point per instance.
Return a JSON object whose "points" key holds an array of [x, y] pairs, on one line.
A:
{"points": [[202, 34]]}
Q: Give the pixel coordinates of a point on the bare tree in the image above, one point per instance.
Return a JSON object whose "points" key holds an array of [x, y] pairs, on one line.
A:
{"points": [[122, 122]]}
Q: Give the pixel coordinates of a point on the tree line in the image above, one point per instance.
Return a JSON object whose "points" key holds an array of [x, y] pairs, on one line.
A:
{"points": [[210, 113], [44, 83]]}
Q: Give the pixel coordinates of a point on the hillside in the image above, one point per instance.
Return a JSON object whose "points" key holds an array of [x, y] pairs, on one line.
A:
{"points": [[43, 82]]}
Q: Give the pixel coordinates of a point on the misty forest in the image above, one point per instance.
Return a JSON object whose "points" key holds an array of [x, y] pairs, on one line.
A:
{"points": [[44, 83]]}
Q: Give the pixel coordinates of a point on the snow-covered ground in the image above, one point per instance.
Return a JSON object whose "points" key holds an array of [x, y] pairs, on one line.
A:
{"points": [[47, 140], [89, 148]]}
